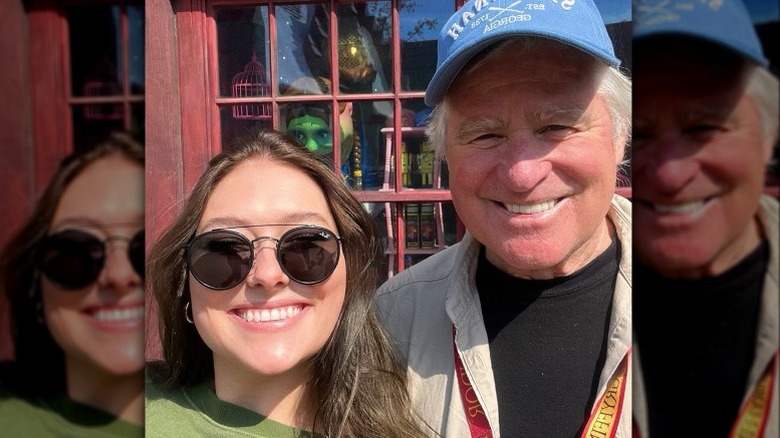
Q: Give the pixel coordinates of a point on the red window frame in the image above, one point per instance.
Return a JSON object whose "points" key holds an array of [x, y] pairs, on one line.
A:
{"points": [[200, 101]]}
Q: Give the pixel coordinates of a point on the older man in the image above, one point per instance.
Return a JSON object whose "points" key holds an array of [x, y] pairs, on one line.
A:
{"points": [[523, 328], [706, 294]]}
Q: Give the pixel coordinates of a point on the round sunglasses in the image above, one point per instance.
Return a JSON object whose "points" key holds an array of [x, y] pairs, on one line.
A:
{"points": [[221, 259], [73, 259]]}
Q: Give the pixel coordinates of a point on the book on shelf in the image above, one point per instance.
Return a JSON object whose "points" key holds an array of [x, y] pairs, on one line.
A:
{"points": [[412, 217], [427, 226]]}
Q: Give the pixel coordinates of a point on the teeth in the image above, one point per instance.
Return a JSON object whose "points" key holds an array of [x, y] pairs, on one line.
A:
{"points": [[533, 208], [685, 207], [266, 315], [119, 315]]}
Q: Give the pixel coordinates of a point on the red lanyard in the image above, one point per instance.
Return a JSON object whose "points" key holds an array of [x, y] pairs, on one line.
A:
{"points": [[601, 424], [475, 415], [753, 415], [604, 419]]}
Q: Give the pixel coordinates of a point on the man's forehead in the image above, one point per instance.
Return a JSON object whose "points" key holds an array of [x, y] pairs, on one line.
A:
{"points": [[568, 111]]}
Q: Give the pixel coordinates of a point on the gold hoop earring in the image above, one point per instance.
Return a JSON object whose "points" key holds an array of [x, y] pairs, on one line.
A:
{"points": [[187, 313]]}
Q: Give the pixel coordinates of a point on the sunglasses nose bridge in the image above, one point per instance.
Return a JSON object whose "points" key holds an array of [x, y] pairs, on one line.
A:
{"points": [[257, 246], [256, 243], [266, 270], [112, 241], [118, 268]]}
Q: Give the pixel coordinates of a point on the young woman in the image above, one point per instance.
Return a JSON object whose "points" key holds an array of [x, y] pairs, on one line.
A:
{"points": [[73, 276], [265, 285]]}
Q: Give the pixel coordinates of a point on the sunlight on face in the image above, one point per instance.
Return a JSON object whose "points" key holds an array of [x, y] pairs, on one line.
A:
{"points": [[532, 159], [295, 320], [101, 325], [698, 163]]}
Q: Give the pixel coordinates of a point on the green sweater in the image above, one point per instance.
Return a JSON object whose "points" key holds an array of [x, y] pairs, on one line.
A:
{"points": [[196, 411], [58, 416]]}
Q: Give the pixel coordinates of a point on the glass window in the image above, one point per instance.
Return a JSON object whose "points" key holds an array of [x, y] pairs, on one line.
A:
{"points": [[242, 49], [420, 23], [427, 227], [244, 61], [302, 49], [106, 65], [364, 47], [277, 64]]}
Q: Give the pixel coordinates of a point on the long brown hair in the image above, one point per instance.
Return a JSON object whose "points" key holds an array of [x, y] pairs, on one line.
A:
{"points": [[359, 385], [39, 365]]}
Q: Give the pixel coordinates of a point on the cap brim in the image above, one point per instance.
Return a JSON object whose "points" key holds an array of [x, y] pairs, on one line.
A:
{"points": [[446, 73]]}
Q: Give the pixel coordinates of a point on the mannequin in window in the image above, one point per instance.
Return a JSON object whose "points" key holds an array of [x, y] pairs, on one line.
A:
{"points": [[310, 124]]}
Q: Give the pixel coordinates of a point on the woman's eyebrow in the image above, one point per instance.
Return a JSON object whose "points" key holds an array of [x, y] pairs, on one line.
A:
{"points": [[292, 217]]}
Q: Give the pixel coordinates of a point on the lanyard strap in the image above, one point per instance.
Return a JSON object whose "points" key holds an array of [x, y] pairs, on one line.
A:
{"points": [[601, 424], [605, 416], [475, 415], [753, 415]]}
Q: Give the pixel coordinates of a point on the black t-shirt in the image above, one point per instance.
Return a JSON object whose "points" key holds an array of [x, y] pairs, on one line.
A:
{"points": [[547, 344], [696, 341]]}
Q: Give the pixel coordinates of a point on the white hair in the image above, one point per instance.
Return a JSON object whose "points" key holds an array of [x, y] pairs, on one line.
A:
{"points": [[763, 88]]}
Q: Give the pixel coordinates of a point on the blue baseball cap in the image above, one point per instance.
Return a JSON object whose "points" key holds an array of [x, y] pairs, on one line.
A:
{"points": [[481, 23], [725, 23]]}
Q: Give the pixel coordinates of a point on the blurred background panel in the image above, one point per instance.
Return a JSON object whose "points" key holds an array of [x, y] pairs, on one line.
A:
{"points": [[73, 71]]}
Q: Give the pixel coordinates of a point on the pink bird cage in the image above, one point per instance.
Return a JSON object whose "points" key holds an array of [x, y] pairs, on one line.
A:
{"points": [[251, 83]]}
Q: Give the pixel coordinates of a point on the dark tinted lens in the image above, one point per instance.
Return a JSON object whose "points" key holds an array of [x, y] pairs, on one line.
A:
{"points": [[309, 255], [135, 250], [220, 259], [72, 259]]}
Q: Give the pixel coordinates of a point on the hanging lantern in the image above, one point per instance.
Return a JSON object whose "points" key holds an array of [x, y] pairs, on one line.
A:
{"points": [[100, 83], [354, 61], [251, 83]]}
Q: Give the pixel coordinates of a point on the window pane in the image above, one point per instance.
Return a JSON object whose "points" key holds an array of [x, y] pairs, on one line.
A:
{"points": [[369, 118], [136, 31], [419, 168], [311, 124], [88, 130], [384, 217], [420, 23], [138, 121], [364, 47], [302, 42], [242, 51], [233, 122], [95, 53], [428, 227]]}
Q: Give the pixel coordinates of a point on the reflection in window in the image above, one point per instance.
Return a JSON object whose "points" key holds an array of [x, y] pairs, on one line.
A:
{"points": [[231, 128], [364, 47], [243, 61], [242, 37], [106, 64], [420, 23], [251, 83], [301, 30]]}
